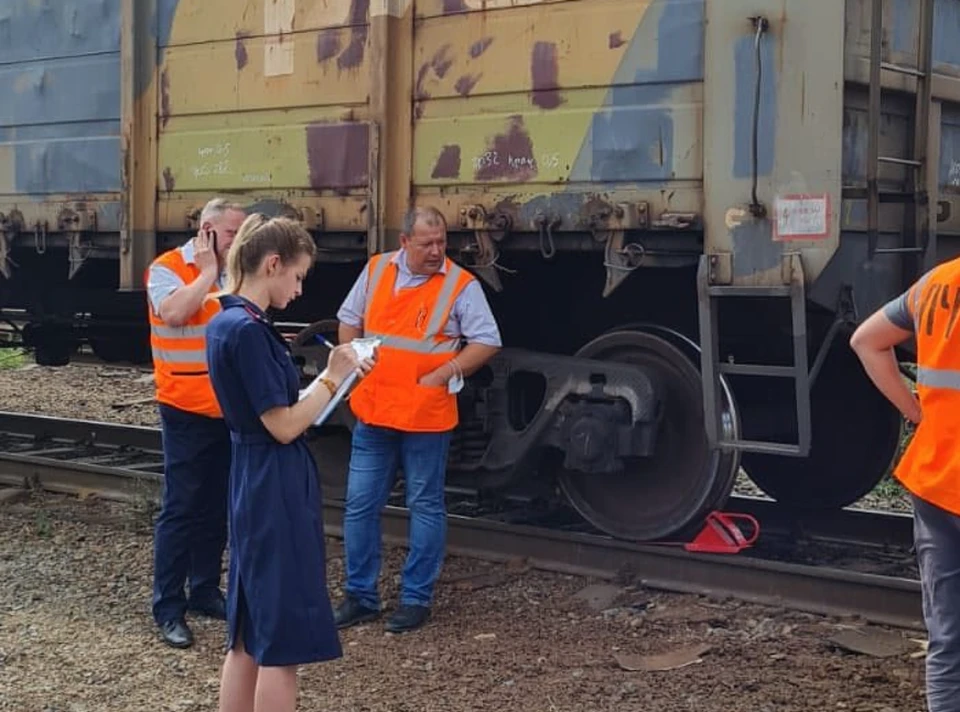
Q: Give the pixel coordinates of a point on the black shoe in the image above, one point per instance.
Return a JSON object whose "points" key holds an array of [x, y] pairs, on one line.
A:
{"points": [[408, 617], [215, 608], [351, 612], [176, 634]]}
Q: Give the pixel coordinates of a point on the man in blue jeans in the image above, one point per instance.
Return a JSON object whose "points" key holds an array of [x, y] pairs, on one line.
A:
{"points": [[421, 305]]}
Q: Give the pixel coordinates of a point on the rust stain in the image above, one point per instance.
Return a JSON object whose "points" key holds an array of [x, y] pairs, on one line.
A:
{"points": [[544, 72], [328, 45], [240, 51], [480, 46], [164, 98], [337, 155], [466, 83], [616, 40], [448, 163], [509, 155], [352, 56], [168, 181], [450, 6]]}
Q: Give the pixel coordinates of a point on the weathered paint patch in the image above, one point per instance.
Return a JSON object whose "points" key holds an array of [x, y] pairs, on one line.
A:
{"points": [[466, 83], [168, 180], [480, 46], [451, 6], [448, 163], [743, 107], [950, 151], [337, 156], [544, 75], [30, 30], [439, 63], [328, 44], [240, 51], [666, 50], [616, 40], [278, 49], [352, 56], [509, 155]]}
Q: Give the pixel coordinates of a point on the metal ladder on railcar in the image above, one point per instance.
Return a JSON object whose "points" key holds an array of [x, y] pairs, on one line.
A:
{"points": [[918, 243], [917, 239]]}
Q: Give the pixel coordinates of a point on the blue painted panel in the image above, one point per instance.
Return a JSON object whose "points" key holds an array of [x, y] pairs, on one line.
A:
{"points": [[41, 29], [622, 143], [60, 71], [946, 33]]}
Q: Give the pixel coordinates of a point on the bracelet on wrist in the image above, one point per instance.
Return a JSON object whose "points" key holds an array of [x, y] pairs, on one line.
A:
{"points": [[330, 385]]}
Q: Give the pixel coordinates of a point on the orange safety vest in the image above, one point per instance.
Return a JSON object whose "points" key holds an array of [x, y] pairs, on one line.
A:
{"points": [[930, 468], [409, 324], [180, 352]]}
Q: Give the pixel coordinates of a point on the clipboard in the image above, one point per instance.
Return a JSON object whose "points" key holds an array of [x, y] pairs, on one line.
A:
{"points": [[364, 348]]}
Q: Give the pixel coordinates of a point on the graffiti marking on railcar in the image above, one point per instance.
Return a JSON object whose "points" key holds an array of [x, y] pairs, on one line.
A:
{"points": [[448, 163], [616, 40], [492, 159], [510, 155], [221, 148], [466, 83], [544, 75], [168, 179], [328, 44], [217, 168], [480, 46], [256, 178]]}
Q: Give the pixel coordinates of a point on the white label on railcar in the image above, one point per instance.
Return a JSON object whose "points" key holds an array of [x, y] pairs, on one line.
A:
{"points": [[802, 217], [278, 45]]}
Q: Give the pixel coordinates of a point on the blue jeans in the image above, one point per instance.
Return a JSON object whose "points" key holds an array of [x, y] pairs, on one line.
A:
{"points": [[373, 465], [191, 531], [937, 539]]}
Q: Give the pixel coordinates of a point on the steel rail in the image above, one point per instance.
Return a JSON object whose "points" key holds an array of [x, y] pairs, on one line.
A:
{"points": [[859, 526], [880, 599]]}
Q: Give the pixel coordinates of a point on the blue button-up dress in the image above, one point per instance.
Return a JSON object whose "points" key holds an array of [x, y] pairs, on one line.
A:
{"points": [[277, 597]]}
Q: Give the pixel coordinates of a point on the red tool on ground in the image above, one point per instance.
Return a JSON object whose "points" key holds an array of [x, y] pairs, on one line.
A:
{"points": [[722, 535]]}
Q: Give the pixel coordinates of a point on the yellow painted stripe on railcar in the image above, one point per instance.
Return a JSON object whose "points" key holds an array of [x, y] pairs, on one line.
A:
{"points": [[242, 158], [487, 130], [205, 79]]}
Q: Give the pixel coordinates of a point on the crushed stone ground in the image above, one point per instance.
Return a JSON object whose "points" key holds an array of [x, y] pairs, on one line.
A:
{"points": [[76, 636]]}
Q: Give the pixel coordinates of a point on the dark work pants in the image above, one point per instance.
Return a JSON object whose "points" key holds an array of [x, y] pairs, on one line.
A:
{"points": [[191, 531], [937, 538]]}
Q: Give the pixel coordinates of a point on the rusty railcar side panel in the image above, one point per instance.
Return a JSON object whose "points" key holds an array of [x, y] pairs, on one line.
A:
{"points": [[558, 110], [269, 100], [60, 115]]}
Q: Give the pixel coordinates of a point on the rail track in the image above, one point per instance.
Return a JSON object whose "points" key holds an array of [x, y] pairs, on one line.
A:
{"points": [[125, 462]]}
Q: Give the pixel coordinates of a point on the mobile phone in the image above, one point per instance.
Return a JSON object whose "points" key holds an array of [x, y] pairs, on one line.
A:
{"points": [[212, 235]]}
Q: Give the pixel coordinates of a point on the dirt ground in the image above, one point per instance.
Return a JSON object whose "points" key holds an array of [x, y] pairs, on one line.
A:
{"points": [[76, 636]]}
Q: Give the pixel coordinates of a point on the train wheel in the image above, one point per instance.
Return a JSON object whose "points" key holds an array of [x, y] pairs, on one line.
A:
{"points": [[331, 445], [856, 434], [669, 493]]}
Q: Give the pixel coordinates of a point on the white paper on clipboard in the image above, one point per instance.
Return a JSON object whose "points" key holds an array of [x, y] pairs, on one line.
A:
{"points": [[364, 348]]}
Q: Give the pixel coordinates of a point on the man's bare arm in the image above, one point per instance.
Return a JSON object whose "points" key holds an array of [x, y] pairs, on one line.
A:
{"points": [[347, 333], [186, 301], [873, 342]]}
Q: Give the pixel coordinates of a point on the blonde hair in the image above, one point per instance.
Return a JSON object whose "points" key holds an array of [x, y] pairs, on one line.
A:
{"points": [[258, 237]]}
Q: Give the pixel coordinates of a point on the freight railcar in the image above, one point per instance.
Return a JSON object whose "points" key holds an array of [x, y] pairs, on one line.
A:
{"points": [[678, 208]]}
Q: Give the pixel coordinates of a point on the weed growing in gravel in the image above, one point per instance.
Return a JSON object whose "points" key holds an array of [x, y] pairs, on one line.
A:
{"points": [[42, 525], [12, 358]]}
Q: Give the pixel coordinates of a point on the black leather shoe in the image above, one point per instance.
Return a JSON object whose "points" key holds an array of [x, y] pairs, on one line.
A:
{"points": [[351, 612], [176, 634], [211, 609], [408, 617]]}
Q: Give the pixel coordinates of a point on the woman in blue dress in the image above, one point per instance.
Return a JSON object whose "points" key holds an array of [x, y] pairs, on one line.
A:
{"points": [[278, 610]]}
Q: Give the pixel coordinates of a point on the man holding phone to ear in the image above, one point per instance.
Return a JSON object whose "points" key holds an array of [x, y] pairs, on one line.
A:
{"points": [[191, 530]]}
